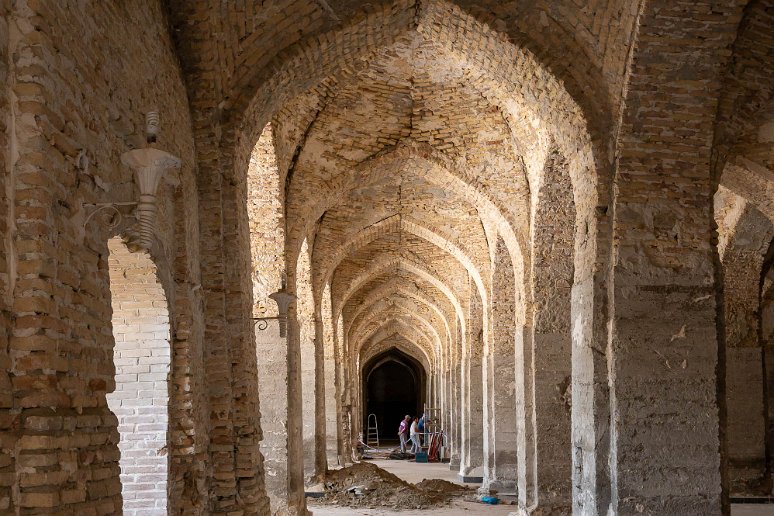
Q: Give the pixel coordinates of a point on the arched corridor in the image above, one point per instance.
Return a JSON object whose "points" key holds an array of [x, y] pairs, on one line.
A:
{"points": [[233, 230]]}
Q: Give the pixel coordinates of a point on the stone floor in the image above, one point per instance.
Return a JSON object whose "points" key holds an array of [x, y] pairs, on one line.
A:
{"points": [[413, 472]]}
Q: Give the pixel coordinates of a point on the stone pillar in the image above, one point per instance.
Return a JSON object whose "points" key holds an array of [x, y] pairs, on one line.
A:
{"points": [[526, 486], [745, 402], [454, 440], [553, 233], [278, 375], [500, 475], [341, 372], [309, 410], [472, 460], [327, 427], [272, 351], [590, 395], [665, 451]]}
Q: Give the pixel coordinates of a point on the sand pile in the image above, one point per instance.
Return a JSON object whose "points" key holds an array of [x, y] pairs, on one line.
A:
{"points": [[367, 485]]}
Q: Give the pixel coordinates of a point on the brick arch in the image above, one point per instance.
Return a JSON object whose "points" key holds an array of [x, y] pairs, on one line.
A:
{"points": [[412, 349], [387, 290], [432, 236], [421, 349], [390, 263], [365, 329], [388, 329], [477, 44], [403, 307], [449, 175], [496, 60], [408, 327]]}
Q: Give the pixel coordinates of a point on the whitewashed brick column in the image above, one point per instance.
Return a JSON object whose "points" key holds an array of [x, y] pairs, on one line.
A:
{"points": [[142, 360]]}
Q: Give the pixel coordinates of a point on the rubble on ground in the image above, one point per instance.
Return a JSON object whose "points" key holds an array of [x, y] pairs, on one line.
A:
{"points": [[367, 485]]}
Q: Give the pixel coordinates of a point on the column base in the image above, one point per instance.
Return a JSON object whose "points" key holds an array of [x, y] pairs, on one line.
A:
{"points": [[504, 487], [472, 475]]}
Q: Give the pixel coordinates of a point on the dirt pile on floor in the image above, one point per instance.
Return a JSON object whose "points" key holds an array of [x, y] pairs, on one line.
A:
{"points": [[436, 485], [367, 485]]}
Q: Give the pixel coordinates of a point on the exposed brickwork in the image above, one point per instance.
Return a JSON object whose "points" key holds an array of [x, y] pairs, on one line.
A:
{"points": [[7, 458], [265, 218], [517, 194], [142, 358], [500, 412], [552, 279], [664, 263], [75, 110]]}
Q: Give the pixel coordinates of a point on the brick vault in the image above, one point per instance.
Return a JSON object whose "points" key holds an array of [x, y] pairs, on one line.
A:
{"points": [[558, 216]]}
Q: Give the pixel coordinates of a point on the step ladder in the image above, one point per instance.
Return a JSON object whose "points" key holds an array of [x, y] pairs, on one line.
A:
{"points": [[373, 431]]}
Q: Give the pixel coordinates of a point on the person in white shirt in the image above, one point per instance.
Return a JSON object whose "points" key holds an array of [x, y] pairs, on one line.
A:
{"points": [[416, 446]]}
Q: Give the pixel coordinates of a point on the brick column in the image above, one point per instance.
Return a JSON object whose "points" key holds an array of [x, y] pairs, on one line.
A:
{"points": [[553, 234], [665, 451], [472, 460], [742, 260]]}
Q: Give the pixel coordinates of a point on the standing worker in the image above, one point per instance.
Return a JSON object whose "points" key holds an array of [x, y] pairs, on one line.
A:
{"points": [[416, 446], [403, 431]]}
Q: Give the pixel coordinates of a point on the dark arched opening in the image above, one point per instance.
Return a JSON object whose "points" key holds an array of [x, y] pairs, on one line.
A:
{"points": [[394, 385]]}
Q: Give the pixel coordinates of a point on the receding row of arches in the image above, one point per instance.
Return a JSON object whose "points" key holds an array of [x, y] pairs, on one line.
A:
{"points": [[551, 223]]}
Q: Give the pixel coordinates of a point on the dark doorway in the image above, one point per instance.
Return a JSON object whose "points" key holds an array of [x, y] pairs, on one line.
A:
{"points": [[393, 386]]}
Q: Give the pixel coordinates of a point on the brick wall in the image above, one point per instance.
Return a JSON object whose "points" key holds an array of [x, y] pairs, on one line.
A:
{"points": [[7, 462], [142, 359], [80, 77]]}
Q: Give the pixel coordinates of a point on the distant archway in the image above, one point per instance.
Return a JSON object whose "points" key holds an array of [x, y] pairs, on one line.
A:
{"points": [[394, 384]]}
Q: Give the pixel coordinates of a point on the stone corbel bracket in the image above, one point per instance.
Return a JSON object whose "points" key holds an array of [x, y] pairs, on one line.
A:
{"points": [[149, 165], [283, 300]]}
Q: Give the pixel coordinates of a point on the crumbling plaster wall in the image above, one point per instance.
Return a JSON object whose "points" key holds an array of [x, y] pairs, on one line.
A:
{"points": [[501, 460], [744, 238], [553, 233]]}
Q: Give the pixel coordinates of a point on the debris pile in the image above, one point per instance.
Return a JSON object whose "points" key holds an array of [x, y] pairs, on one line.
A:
{"points": [[436, 485], [367, 485]]}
